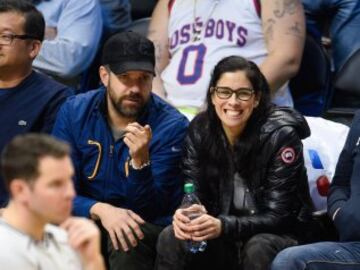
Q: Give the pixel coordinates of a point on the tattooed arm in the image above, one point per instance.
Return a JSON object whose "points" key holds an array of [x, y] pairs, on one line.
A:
{"points": [[284, 31], [158, 34]]}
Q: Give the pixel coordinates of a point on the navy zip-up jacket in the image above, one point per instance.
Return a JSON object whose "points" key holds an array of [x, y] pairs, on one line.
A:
{"points": [[153, 192]]}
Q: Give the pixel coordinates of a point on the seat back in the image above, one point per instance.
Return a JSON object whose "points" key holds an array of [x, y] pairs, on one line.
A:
{"points": [[140, 26], [311, 86], [142, 8], [345, 99]]}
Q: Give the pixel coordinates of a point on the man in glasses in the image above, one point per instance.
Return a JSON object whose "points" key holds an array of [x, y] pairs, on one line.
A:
{"points": [[28, 100], [127, 145]]}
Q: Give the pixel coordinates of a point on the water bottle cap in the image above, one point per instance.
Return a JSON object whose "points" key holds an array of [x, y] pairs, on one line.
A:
{"points": [[189, 188]]}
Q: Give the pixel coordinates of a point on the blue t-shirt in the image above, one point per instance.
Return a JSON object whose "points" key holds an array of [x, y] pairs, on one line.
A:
{"points": [[3, 92], [30, 106]]}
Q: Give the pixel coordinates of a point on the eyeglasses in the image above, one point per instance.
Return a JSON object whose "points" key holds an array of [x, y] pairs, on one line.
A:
{"points": [[7, 39], [226, 93]]}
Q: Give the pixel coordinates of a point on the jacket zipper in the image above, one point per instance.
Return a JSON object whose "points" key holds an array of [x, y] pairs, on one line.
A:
{"points": [[111, 152]]}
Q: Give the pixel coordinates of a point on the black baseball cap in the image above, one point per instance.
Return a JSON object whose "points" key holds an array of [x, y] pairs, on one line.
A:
{"points": [[129, 51]]}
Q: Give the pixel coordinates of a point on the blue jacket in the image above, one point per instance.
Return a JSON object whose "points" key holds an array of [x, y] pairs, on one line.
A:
{"points": [[100, 162], [345, 187]]}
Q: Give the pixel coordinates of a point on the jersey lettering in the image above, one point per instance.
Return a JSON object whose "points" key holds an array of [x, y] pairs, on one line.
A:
{"points": [[191, 64]]}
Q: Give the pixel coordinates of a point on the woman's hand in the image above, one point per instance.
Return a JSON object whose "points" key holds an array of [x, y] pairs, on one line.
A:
{"points": [[182, 219], [180, 225], [205, 227]]}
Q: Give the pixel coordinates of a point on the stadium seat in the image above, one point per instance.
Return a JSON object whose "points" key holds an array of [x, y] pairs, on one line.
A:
{"points": [[345, 99], [141, 9], [140, 26], [311, 86]]}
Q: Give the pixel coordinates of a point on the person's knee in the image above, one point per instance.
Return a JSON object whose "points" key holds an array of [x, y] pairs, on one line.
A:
{"points": [[290, 258], [258, 243], [260, 250], [170, 250], [166, 240]]}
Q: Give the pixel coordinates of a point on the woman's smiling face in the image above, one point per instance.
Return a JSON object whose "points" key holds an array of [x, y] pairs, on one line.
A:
{"points": [[234, 112]]}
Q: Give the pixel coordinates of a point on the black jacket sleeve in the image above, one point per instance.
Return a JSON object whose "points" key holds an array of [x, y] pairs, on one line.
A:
{"points": [[190, 161], [196, 165]]}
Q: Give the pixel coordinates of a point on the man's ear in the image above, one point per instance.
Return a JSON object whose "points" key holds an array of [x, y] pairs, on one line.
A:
{"points": [[34, 48], [104, 75], [19, 189]]}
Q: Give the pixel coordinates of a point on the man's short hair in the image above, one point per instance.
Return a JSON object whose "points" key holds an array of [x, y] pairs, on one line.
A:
{"points": [[34, 20], [21, 157]]}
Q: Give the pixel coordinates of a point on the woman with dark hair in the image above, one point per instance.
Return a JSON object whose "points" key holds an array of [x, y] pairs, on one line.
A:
{"points": [[245, 157]]}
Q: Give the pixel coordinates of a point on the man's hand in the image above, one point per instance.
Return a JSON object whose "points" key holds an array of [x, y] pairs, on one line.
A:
{"points": [[121, 224], [84, 237], [137, 138]]}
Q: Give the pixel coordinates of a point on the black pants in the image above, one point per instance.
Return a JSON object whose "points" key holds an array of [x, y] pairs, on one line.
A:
{"points": [[142, 257], [255, 254]]}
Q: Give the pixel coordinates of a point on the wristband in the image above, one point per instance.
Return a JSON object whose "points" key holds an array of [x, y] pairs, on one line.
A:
{"points": [[146, 164]]}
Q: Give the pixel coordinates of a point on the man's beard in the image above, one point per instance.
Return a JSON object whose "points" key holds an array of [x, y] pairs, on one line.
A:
{"points": [[128, 111]]}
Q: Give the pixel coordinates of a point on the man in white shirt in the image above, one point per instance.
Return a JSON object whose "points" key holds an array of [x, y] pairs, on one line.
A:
{"points": [[38, 172]]}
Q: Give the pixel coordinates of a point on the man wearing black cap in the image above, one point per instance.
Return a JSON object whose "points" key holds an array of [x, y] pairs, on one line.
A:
{"points": [[126, 147]]}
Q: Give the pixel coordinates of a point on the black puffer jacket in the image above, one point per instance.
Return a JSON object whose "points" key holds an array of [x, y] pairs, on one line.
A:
{"points": [[278, 184]]}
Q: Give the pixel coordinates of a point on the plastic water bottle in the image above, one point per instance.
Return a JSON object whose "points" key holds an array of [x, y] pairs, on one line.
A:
{"points": [[189, 199]]}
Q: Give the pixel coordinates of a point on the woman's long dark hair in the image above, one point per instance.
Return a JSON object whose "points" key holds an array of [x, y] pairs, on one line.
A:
{"points": [[244, 150]]}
